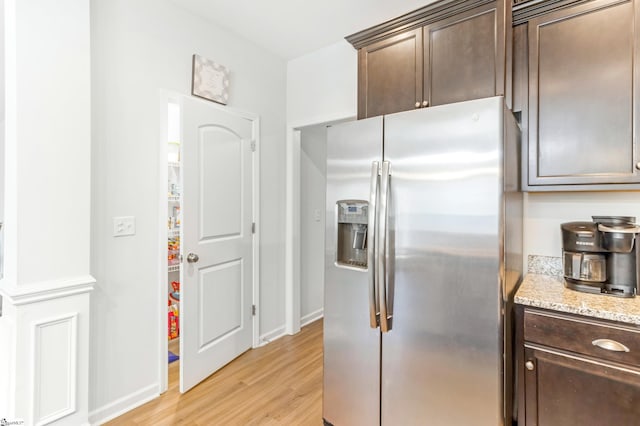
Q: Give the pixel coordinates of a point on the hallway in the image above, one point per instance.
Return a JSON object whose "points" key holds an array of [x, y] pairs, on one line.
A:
{"points": [[277, 384]]}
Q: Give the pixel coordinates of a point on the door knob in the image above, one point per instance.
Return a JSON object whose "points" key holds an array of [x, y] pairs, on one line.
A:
{"points": [[425, 103], [417, 104], [529, 365], [638, 166], [192, 258]]}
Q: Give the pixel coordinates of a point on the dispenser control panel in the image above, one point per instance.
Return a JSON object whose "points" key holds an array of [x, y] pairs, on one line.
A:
{"points": [[352, 226]]}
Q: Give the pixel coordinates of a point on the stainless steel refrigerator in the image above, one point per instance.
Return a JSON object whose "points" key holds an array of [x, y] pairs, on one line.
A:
{"points": [[423, 254]]}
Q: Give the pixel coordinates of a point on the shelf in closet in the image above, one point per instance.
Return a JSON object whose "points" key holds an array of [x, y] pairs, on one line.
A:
{"points": [[174, 164], [172, 233], [175, 199], [173, 268]]}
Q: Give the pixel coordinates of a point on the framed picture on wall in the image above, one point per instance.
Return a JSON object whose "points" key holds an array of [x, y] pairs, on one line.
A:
{"points": [[210, 80]]}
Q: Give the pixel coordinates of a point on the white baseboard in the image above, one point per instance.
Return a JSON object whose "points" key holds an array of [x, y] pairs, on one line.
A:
{"points": [[272, 335], [123, 405], [281, 331], [313, 316]]}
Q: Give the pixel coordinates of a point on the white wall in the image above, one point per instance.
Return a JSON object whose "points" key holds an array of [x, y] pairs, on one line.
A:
{"points": [[1, 178], [46, 165], [544, 212], [5, 329], [322, 86], [313, 182], [140, 47], [2, 100], [47, 146], [2, 60]]}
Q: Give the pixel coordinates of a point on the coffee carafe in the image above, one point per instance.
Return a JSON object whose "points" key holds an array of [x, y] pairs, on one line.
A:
{"points": [[602, 256]]}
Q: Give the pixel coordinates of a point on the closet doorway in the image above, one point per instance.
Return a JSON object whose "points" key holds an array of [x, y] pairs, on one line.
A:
{"points": [[313, 182], [306, 212], [209, 205]]}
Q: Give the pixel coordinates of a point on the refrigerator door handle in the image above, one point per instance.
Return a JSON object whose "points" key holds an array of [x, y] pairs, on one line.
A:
{"points": [[372, 256], [381, 245]]}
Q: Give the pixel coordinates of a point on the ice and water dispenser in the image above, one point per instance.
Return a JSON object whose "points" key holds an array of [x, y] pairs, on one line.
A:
{"points": [[353, 217]]}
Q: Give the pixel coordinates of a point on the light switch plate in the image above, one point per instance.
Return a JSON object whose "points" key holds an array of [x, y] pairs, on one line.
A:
{"points": [[316, 215], [124, 225]]}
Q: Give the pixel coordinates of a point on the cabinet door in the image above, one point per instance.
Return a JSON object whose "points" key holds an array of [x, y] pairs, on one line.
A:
{"points": [[583, 91], [571, 390], [390, 75], [462, 58]]}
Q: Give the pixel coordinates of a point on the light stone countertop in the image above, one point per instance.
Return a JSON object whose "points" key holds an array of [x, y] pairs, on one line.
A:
{"points": [[549, 292]]}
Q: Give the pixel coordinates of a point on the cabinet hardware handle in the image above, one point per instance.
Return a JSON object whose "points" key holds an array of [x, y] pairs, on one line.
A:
{"points": [[610, 345], [425, 103], [417, 104], [529, 365]]}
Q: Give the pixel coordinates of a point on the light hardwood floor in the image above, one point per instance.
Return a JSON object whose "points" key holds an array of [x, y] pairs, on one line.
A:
{"points": [[277, 384]]}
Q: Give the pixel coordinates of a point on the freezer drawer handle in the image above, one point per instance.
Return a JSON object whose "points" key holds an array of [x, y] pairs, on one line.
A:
{"points": [[374, 311], [610, 345], [382, 243]]}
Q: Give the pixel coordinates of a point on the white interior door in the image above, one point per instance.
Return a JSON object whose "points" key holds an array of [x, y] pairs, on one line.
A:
{"points": [[217, 267]]}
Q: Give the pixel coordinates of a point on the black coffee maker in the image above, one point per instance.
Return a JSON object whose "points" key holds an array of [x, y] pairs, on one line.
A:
{"points": [[602, 256]]}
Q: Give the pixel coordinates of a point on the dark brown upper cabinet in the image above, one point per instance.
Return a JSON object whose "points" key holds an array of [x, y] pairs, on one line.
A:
{"points": [[390, 72], [460, 57], [446, 52], [581, 115]]}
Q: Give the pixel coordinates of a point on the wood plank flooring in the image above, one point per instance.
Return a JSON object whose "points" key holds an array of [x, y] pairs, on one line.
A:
{"points": [[277, 384]]}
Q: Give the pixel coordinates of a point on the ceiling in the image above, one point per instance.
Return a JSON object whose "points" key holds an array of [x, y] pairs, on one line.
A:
{"points": [[292, 28]]}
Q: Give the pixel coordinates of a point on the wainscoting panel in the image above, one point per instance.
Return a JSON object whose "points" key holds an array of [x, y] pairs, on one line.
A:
{"points": [[55, 349]]}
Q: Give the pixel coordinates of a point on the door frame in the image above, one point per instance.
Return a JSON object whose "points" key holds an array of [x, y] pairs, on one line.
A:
{"points": [[292, 217], [166, 96]]}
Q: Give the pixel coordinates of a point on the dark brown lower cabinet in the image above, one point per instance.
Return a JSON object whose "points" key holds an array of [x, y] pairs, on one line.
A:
{"points": [[574, 370], [566, 389]]}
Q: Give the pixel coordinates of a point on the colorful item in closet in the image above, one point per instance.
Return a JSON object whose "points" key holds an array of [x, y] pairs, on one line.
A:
{"points": [[174, 320], [175, 294], [174, 251]]}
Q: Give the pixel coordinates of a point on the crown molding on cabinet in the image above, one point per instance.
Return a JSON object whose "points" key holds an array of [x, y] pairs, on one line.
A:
{"points": [[523, 11], [418, 18]]}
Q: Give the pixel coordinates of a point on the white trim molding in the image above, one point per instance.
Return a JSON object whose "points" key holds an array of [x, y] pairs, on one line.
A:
{"points": [[292, 233], [40, 292], [123, 405], [272, 335], [48, 326], [54, 367], [311, 317], [258, 231]]}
